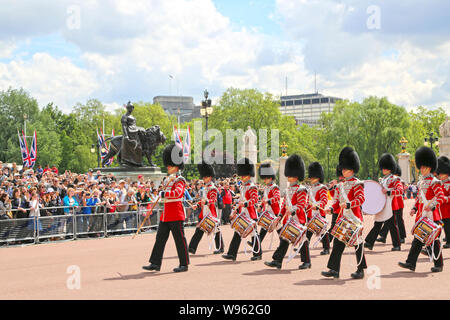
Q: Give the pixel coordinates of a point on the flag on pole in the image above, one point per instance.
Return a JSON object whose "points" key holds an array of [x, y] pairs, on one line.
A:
{"points": [[187, 145], [177, 138], [23, 150], [33, 150], [110, 161]]}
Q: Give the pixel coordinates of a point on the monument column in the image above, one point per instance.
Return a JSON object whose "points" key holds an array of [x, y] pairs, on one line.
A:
{"points": [[250, 151], [283, 180], [404, 162], [444, 141]]}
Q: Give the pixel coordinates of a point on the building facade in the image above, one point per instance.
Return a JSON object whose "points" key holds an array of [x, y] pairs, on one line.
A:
{"points": [[307, 108], [181, 107]]}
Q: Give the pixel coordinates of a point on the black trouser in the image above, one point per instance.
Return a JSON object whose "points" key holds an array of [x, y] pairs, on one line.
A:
{"points": [[304, 251], [226, 211], [373, 234], [236, 241], [416, 248], [398, 216], [333, 222], [164, 229], [447, 229], [198, 234], [282, 249], [334, 263]]}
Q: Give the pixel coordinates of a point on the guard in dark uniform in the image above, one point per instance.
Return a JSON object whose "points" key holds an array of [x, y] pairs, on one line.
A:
{"points": [[173, 216]]}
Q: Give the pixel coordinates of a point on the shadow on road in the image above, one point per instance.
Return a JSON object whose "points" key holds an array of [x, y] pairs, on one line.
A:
{"points": [[406, 274], [138, 276], [322, 282], [270, 271]]}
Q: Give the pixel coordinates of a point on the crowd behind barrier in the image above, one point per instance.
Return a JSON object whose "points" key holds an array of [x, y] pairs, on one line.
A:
{"points": [[44, 205]]}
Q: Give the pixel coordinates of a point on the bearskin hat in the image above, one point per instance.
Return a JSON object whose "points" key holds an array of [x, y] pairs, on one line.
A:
{"points": [[173, 156], [349, 159], [426, 157], [315, 170], [295, 167], [266, 170], [387, 161], [338, 171], [443, 165], [398, 170], [205, 170], [245, 168]]}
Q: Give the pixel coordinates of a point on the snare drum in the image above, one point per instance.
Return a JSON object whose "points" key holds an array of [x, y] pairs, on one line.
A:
{"points": [[317, 224], [293, 231], [426, 231], [347, 231], [243, 225], [208, 223], [268, 221]]}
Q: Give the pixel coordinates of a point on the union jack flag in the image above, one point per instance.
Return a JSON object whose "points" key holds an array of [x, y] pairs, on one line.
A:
{"points": [[187, 145], [33, 151], [23, 150], [177, 138], [110, 161]]}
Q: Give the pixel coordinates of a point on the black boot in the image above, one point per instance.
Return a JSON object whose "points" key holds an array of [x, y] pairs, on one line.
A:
{"points": [[407, 265], [181, 269], [330, 273], [218, 251], [436, 269], [324, 252], [359, 274], [229, 257], [396, 249], [273, 264], [305, 265], [191, 250], [368, 246], [381, 239], [152, 267], [254, 258]]}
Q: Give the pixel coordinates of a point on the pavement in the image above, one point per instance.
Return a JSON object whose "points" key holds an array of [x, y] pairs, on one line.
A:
{"points": [[111, 269]]}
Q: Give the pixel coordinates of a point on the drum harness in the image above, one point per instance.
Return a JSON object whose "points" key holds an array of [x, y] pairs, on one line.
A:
{"points": [[265, 197], [355, 219], [207, 212], [314, 203], [295, 251], [425, 203], [254, 231]]}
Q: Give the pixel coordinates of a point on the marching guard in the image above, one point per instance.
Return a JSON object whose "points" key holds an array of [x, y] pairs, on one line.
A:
{"points": [[349, 197], [429, 197], [318, 199], [247, 202], [173, 216], [209, 200], [443, 172], [294, 205], [392, 186], [332, 189]]}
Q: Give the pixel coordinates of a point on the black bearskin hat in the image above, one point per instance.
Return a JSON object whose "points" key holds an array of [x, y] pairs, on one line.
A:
{"points": [[443, 165], [173, 156], [398, 170], [295, 167], [426, 157], [266, 170], [315, 170], [387, 161], [349, 159], [205, 170], [338, 171], [245, 168]]}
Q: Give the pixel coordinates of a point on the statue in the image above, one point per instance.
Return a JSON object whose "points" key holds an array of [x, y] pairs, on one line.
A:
{"points": [[135, 142]]}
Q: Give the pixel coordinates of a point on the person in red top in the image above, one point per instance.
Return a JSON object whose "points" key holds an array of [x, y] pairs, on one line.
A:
{"points": [[248, 200], [209, 199], [173, 216], [443, 172], [348, 199], [398, 213], [271, 198], [392, 187], [294, 205], [332, 189], [227, 200], [318, 199], [429, 197]]}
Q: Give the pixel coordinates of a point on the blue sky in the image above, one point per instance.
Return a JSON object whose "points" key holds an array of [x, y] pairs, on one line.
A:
{"points": [[72, 50]]}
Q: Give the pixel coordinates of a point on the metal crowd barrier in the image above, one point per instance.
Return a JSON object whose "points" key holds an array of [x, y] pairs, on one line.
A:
{"points": [[74, 225]]}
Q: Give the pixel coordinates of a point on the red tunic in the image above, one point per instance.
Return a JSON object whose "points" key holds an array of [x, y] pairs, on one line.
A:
{"points": [[395, 188], [211, 198], [299, 200], [354, 188], [173, 207], [250, 192], [274, 197], [432, 190], [444, 208], [319, 193]]}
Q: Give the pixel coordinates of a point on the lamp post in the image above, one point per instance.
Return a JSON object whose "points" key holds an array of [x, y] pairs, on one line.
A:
{"points": [[206, 110], [403, 143], [284, 149], [328, 163], [431, 139], [94, 147]]}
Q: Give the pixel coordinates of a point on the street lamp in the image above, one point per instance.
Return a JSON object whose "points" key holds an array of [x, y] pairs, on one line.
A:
{"points": [[328, 163], [431, 139], [206, 110], [403, 143]]}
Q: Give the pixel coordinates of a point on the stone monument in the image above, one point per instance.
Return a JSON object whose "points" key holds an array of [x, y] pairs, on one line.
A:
{"points": [[404, 162], [444, 141], [283, 180], [131, 147], [249, 149]]}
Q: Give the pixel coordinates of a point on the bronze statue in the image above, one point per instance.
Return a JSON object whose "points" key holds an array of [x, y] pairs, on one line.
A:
{"points": [[135, 142]]}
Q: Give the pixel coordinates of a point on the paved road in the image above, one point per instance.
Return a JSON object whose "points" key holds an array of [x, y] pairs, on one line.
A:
{"points": [[111, 269]]}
